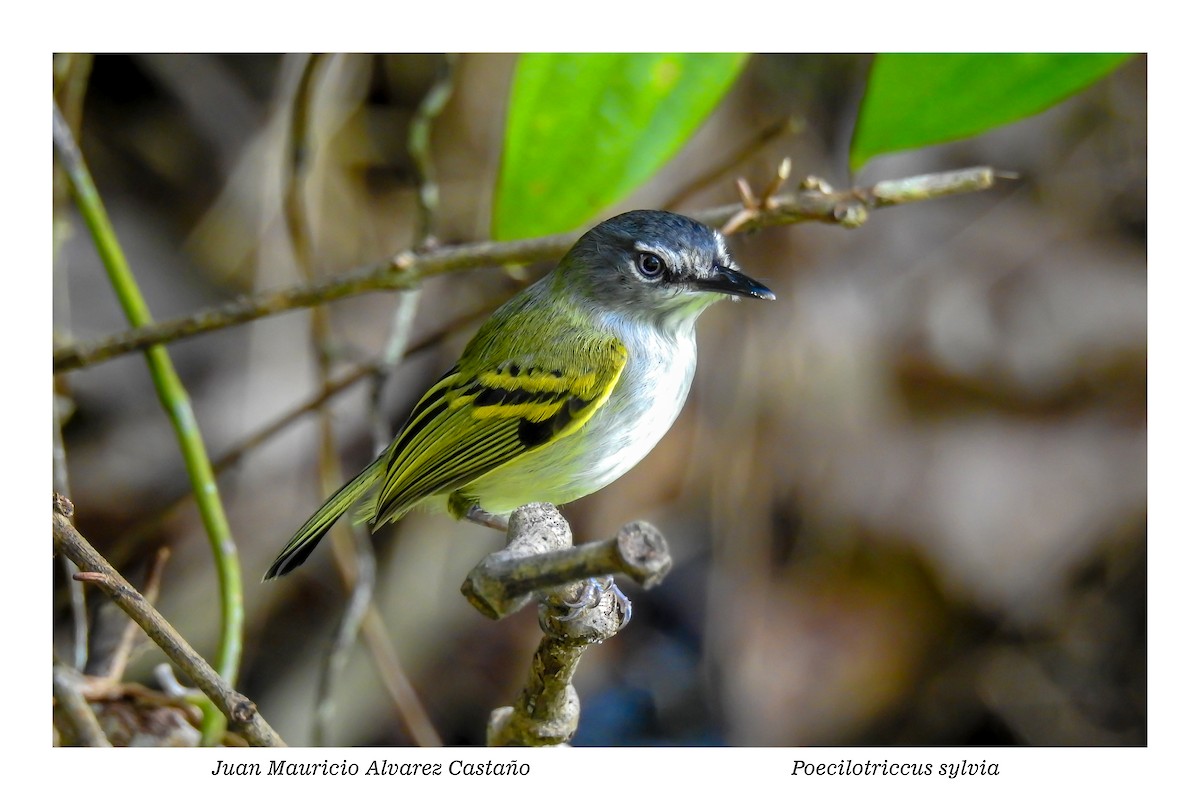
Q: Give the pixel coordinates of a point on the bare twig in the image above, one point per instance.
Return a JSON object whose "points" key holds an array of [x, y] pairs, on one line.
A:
{"points": [[931, 187], [406, 270], [356, 566], [383, 654], [109, 663], [419, 137], [77, 713], [242, 714], [399, 687], [753, 206], [361, 611], [302, 146], [62, 485], [403, 271], [425, 235], [402, 322], [785, 126], [354, 558], [71, 73]]}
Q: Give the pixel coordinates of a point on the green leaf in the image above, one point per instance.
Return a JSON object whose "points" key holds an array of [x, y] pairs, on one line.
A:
{"points": [[584, 130], [918, 99]]}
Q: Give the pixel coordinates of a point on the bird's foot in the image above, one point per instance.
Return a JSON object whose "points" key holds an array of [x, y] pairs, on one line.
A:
{"points": [[590, 596]]}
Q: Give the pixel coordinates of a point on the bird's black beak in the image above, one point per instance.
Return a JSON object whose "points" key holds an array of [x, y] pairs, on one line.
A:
{"points": [[729, 281]]}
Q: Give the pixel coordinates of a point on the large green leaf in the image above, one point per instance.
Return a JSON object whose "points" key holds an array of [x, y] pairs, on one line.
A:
{"points": [[918, 99], [586, 129]]}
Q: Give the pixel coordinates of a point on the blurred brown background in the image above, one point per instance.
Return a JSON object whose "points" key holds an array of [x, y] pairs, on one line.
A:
{"points": [[906, 501]]}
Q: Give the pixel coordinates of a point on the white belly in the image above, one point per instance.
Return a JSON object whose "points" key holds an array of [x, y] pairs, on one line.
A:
{"points": [[643, 406]]}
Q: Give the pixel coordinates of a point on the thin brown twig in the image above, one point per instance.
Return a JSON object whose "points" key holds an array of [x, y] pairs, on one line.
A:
{"points": [[785, 126], [425, 235], [297, 216], [419, 138], [395, 680], [357, 567], [362, 614], [242, 714], [847, 208], [753, 206], [84, 728], [71, 74], [403, 271], [359, 570], [62, 485], [114, 634], [356, 559], [113, 668]]}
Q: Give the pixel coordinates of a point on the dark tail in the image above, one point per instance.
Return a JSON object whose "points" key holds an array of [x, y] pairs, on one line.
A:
{"points": [[310, 533]]}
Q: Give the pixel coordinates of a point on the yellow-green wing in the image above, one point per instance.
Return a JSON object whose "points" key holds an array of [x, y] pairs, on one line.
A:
{"points": [[474, 421]]}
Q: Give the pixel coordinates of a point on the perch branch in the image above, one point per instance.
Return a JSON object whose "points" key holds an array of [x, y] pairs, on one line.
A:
{"points": [[242, 714], [405, 270], [503, 582], [573, 615]]}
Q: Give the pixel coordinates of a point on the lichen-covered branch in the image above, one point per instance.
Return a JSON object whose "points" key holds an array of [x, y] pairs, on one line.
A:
{"points": [[574, 609], [505, 581]]}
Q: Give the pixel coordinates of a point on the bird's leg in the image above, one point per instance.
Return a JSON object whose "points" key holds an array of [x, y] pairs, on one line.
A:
{"points": [[464, 506], [486, 518]]}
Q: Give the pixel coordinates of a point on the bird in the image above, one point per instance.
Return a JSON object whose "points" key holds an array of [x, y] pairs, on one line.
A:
{"points": [[564, 388]]}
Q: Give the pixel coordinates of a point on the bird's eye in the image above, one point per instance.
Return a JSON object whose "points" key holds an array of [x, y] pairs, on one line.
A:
{"points": [[650, 265]]}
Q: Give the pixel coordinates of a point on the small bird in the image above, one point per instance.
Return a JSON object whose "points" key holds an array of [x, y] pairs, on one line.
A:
{"points": [[564, 388]]}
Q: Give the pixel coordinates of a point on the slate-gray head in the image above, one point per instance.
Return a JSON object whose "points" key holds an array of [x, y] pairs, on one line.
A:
{"points": [[655, 262]]}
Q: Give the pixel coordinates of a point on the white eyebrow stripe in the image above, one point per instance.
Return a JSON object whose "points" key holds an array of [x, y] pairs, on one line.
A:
{"points": [[720, 240]]}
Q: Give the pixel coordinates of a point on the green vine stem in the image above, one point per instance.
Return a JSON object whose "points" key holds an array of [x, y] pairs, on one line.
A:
{"points": [[171, 394]]}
